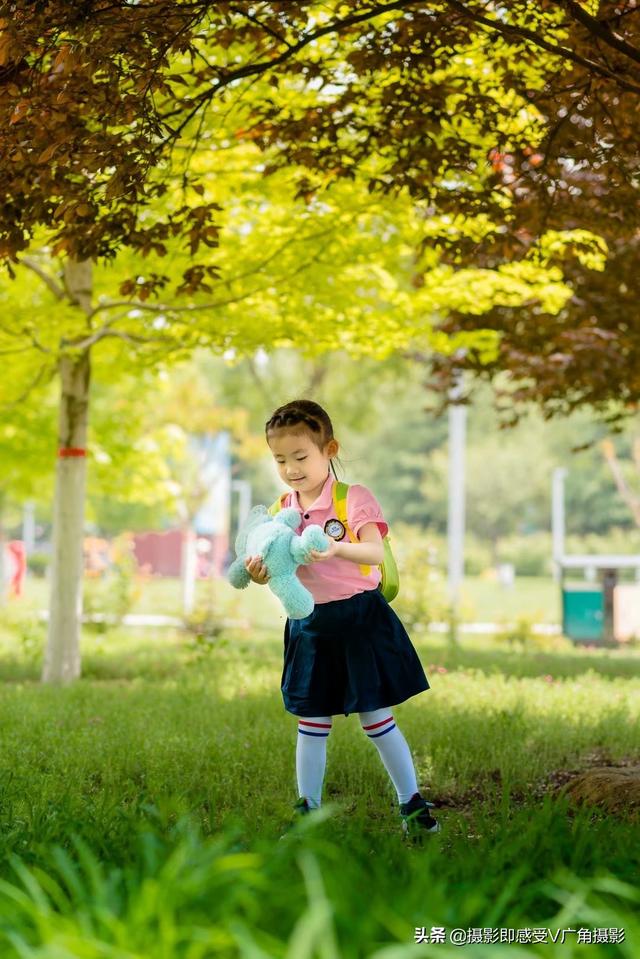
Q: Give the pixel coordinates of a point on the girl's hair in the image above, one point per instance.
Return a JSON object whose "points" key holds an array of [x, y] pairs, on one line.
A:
{"points": [[306, 414]]}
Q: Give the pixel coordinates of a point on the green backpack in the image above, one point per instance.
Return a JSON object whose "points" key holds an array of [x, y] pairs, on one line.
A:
{"points": [[390, 581]]}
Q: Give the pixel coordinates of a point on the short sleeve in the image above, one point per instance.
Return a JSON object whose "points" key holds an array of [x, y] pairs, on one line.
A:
{"points": [[362, 508]]}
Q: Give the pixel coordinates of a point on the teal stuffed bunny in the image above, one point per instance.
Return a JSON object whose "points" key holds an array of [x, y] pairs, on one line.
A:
{"points": [[282, 551]]}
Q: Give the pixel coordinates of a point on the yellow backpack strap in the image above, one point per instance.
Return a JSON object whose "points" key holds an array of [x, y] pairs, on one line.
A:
{"points": [[277, 506], [340, 491]]}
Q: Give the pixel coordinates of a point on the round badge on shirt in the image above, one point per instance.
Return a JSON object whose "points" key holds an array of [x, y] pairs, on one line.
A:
{"points": [[335, 529]]}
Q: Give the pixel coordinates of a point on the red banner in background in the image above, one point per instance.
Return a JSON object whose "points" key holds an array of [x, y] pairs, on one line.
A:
{"points": [[160, 554]]}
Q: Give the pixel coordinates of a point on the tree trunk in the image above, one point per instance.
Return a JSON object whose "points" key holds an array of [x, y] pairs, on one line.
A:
{"points": [[62, 654]]}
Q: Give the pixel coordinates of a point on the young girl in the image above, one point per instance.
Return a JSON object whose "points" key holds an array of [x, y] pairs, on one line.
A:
{"points": [[352, 654]]}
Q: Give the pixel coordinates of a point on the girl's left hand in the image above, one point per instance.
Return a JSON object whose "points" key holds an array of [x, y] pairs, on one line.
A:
{"points": [[316, 556]]}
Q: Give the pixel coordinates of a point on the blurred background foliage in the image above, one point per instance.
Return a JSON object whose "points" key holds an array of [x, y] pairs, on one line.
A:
{"points": [[390, 440]]}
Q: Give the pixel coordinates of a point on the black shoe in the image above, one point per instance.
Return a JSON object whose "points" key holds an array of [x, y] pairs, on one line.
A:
{"points": [[416, 818], [301, 807]]}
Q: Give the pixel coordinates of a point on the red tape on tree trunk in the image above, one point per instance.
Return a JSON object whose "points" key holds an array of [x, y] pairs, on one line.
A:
{"points": [[69, 451]]}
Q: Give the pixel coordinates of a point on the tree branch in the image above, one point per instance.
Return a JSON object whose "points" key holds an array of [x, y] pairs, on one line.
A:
{"points": [[8, 407], [216, 304], [117, 334], [630, 498], [602, 30], [272, 256], [548, 142], [254, 19], [38, 345], [57, 290], [620, 14], [15, 349], [165, 308], [263, 65], [510, 30]]}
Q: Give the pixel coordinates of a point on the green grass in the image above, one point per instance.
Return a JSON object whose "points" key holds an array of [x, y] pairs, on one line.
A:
{"points": [[483, 599], [163, 596], [141, 808]]}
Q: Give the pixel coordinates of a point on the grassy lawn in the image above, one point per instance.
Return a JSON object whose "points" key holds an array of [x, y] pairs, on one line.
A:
{"points": [[141, 808], [483, 599], [163, 596]]}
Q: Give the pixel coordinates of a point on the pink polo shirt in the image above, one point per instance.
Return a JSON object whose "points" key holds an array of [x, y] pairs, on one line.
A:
{"points": [[336, 578]]}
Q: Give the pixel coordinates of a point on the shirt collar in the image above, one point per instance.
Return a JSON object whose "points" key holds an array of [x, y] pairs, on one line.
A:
{"points": [[323, 501]]}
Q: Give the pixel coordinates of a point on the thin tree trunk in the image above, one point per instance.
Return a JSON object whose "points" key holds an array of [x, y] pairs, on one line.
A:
{"points": [[62, 654]]}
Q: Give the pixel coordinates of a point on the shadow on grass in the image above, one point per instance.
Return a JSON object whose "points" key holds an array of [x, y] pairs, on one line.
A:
{"points": [[103, 760], [116, 655], [529, 663], [146, 658], [127, 654]]}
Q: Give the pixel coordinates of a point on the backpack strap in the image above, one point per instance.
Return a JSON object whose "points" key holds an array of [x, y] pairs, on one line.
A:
{"points": [[278, 505], [340, 491]]}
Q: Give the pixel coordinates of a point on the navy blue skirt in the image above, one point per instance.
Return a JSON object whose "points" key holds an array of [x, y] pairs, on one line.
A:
{"points": [[349, 656]]}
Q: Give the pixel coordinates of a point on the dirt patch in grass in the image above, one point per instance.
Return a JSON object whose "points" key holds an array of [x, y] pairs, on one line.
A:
{"points": [[611, 785], [612, 789]]}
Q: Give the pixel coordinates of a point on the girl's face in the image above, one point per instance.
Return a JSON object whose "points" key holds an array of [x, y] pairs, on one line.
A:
{"points": [[301, 464]]}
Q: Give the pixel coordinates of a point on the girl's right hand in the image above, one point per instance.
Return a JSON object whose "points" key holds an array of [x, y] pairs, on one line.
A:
{"points": [[257, 570]]}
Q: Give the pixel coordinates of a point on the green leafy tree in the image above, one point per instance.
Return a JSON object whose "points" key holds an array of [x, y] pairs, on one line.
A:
{"points": [[507, 485], [521, 119], [120, 126], [25, 454], [378, 413], [279, 291]]}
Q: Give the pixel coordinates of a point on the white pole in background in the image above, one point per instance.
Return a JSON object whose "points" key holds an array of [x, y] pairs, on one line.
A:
{"points": [[456, 512], [189, 568], [29, 526], [243, 488], [557, 519]]}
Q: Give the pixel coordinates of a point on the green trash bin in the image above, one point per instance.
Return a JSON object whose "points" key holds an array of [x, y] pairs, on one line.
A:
{"points": [[583, 613]]}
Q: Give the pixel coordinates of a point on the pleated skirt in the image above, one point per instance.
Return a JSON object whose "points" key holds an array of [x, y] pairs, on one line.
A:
{"points": [[349, 656]]}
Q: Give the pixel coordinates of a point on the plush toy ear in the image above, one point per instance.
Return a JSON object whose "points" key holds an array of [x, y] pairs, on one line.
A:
{"points": [[255, 517], [289, 517]]}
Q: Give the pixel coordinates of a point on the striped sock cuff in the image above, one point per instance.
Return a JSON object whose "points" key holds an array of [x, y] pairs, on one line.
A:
{"points": [[310, 728], [379, 729]]}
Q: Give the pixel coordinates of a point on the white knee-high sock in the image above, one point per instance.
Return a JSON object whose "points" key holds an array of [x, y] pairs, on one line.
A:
{"points": [[394, 751], [311, 757]]}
